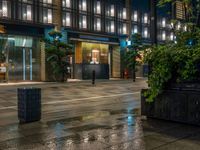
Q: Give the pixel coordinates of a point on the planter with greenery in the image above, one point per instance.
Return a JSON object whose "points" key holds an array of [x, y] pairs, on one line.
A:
{"points": [[174, 79], [58, 54]]}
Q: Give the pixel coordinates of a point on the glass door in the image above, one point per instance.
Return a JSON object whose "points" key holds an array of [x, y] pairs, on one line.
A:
{"points": [[24, 58], [27, 64]]}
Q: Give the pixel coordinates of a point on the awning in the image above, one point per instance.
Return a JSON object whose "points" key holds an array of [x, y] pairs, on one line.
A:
{"points": [[93, 41]]}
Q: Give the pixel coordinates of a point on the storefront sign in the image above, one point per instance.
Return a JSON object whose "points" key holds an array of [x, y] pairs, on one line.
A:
{"points": [[93, 38], [2, 69]]}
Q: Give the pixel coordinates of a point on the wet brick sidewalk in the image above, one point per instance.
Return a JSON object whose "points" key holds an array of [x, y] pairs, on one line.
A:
{"points": [[80, 116]]}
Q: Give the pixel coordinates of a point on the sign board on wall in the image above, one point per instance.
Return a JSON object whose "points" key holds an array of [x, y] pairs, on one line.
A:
{"points": [[2, 69]]}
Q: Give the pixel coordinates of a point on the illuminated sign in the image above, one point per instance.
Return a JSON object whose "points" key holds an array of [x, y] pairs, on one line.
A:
{"points": [[128, 43]]}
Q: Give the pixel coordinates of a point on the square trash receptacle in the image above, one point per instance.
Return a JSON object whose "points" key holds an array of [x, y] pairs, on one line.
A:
{"points": [[29, 104]]}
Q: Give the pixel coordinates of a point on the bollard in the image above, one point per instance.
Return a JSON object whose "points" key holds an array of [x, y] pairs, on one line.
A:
{"points": [[93, 77]]}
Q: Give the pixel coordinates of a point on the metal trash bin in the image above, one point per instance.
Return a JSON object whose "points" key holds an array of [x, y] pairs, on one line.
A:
{"points": [[29, 104]]}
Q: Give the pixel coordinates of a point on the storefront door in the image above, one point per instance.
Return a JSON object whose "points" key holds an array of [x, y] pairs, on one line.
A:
{"points": [[23, 57], [27, 64], [20, 65]]}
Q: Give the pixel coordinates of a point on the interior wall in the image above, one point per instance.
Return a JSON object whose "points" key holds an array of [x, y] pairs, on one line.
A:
{"points": [[78, 53], [116, 62]]}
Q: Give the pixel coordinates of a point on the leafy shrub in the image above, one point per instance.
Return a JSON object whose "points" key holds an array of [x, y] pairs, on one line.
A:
{"points": [[174, 62]]}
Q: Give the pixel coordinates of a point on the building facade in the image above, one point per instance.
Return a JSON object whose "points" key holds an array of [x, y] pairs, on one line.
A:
{"points": [[23, 23], [94, 28], [98, 30]]}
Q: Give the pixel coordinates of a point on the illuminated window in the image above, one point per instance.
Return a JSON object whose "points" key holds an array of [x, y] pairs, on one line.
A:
{"points": [[124, 13], [135, 16], [124, 30], [112, 10], [47, 1], [145, 33], [47, 15], [163, 35], [66, 3], [185, 28], [66, 19], [26, 12], [178, 26], [172, 36], [83, 22], [4, 8], [97, 7], [83, 5], [97, 24], [163, 22], [110, 26], [135, 29], [145, 18]]}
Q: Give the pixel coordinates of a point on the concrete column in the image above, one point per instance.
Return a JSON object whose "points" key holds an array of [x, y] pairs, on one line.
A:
{"points": [[57, 14], [43, 62], [116, 61], [129, 13]]}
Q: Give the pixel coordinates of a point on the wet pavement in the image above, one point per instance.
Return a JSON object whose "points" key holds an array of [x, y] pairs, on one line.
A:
{"points": [[79, 116]]}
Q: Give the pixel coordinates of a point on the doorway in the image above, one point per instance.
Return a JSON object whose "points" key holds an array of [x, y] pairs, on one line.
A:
{"points": [[27, 64], [21, 64]]}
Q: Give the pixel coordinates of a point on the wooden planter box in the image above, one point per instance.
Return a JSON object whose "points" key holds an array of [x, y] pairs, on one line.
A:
{"points": [[178, 104]]}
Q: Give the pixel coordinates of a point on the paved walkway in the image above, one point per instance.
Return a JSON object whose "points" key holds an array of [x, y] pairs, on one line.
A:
{"points": [[79, 116]]}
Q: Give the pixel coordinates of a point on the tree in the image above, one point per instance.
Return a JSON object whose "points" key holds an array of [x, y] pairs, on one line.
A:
{"points": [[133, 53], [2, 57], [2, 53], [57, 55]]}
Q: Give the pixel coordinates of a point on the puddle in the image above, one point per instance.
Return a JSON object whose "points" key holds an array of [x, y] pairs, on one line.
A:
{"points": [[64, 121], [123, 111], [89, 127]]}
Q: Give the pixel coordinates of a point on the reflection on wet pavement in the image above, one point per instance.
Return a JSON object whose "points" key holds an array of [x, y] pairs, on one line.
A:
{"points": [[111, 123]]}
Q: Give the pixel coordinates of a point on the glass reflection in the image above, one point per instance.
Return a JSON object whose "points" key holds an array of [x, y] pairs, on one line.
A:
{"points": [[22, 57]]}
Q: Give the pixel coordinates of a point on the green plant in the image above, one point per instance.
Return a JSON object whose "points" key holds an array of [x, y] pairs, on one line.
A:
{"points": [[2, 57], [2, 48], [133, 53], [57, 55], [174, 62]]}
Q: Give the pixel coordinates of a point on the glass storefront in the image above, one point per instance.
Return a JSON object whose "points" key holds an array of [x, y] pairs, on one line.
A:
{"points": [[95, 53], [91, 57], [22, 58]]}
